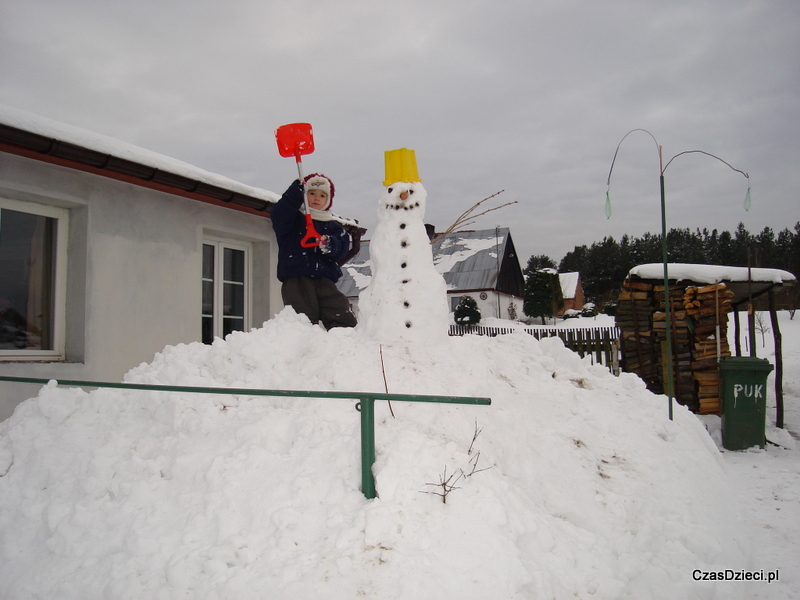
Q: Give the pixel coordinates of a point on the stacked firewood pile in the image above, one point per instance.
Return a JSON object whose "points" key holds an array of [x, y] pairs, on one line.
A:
{"points": [[634, 318], [681, 341], [696, 313], [708, 309]]}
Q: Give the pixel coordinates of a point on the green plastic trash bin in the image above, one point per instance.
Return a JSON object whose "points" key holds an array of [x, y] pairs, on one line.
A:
{"points": [[744, 401]]}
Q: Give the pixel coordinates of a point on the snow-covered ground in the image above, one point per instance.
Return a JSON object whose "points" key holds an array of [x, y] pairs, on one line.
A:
{"points": [[589, 491], [769, 480]]}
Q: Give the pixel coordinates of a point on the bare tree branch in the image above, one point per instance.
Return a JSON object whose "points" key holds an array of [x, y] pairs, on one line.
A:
{"points": [[468, 218], [446, 484], [474, 436], [474, 462]]}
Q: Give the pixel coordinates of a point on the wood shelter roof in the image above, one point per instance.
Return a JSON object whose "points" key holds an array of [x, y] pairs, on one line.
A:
{"points": [[744, 282]]}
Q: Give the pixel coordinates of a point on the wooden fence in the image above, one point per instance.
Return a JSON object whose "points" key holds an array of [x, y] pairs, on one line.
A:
{"points": [[600, 344]]}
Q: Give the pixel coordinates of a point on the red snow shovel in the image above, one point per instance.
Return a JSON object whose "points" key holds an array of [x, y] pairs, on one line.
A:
{"points": [[296, 139]]}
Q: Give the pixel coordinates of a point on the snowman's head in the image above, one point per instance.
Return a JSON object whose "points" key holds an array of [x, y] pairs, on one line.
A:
{"points": [[404, 196]]}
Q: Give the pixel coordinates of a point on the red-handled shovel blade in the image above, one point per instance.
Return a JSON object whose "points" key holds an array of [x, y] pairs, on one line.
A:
{"points": [[295, 139]]}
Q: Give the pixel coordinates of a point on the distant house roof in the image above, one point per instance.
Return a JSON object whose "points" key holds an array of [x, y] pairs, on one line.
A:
{"points": [[468, 261], [569, 284]]}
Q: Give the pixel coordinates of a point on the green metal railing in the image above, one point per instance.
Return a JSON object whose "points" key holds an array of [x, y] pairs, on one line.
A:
{"points": [[365, 405]]}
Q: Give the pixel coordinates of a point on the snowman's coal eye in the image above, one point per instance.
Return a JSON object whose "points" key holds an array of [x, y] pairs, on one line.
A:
{"points": [[390, 190], [410, 191]]}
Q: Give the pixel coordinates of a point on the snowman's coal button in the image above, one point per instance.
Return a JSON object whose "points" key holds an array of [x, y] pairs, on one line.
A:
{"points": [[408, 324]]}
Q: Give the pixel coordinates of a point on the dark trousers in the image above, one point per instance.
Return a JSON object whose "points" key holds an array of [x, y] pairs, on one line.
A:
{"points": [[319, 300]]}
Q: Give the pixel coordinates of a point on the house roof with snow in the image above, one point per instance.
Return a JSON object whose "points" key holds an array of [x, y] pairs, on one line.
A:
{"points": [[468, 261], [43, 139], [40, 138], [569, 284]]}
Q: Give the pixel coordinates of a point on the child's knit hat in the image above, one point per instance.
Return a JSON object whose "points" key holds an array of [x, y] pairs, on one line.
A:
{"points": [[319, 181]]}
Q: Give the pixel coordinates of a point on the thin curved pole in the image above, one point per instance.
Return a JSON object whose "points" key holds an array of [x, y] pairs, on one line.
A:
{"points": [[667, 307], [620, 144], [707, 154], [667, 312]]}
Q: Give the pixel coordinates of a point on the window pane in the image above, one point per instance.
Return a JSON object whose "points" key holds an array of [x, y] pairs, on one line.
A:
{"points": [[208, 298], [234, 265], [230, 324], [26, 280], [208, 330], [234, 300], [208, 261]]}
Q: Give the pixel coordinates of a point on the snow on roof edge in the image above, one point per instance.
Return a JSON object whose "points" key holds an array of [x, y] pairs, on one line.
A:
{"points": [[710, 273], [20, 119]]}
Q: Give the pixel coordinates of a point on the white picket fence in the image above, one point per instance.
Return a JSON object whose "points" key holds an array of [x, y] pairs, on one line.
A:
{"points": [[601, 344]]}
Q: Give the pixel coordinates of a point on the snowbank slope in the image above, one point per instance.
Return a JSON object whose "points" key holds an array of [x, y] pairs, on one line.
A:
{"points": [[588, 491]]}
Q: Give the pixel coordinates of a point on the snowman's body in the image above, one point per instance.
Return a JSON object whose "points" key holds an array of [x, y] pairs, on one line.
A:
{"points": [[407, 297]]}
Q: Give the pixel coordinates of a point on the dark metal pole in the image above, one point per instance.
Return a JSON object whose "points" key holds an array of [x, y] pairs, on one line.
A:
{"points": [[751, 311], [667, 312]]}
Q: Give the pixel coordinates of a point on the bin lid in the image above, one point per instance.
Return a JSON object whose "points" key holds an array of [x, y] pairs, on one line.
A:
{"points": [[744, 363]]}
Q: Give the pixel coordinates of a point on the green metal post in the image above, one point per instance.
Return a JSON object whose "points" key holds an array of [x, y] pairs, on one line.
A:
{"points": [[667, 311], [367, 408]]}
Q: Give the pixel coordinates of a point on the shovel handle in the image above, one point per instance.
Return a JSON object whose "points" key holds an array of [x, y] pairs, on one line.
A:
{"points": [[311, 238], [311, 234]]}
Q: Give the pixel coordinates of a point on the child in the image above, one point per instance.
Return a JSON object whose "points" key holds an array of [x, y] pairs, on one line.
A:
{"points": [[309, 275]]}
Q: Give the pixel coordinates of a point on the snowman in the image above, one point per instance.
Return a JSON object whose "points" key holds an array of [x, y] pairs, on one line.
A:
{"points": [[407, 298]]}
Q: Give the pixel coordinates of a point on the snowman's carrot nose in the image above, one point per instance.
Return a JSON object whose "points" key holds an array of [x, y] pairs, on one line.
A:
{"points": [[404, 195]]}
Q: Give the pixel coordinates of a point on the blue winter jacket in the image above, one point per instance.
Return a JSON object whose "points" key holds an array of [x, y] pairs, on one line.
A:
{"points": [[289, 224]]}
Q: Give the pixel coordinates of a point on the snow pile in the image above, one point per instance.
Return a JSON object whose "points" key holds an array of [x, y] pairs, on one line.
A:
{"points": [[574, 484]]}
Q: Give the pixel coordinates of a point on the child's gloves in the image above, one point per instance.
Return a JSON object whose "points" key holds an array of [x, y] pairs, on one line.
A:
{"points": [[324, 244]]}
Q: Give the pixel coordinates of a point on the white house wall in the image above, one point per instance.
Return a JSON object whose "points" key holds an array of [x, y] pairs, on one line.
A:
{"points": [[134, 276]]}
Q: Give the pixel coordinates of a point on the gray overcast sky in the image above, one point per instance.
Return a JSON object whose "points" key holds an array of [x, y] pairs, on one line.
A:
{"points": [[531, 97]]}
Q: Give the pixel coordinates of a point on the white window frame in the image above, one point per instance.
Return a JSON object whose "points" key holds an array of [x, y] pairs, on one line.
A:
{"points": [[59, 307], [220, 244]]}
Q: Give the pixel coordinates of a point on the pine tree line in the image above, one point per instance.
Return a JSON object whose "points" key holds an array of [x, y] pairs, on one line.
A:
{"points": [[604, 265]]}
